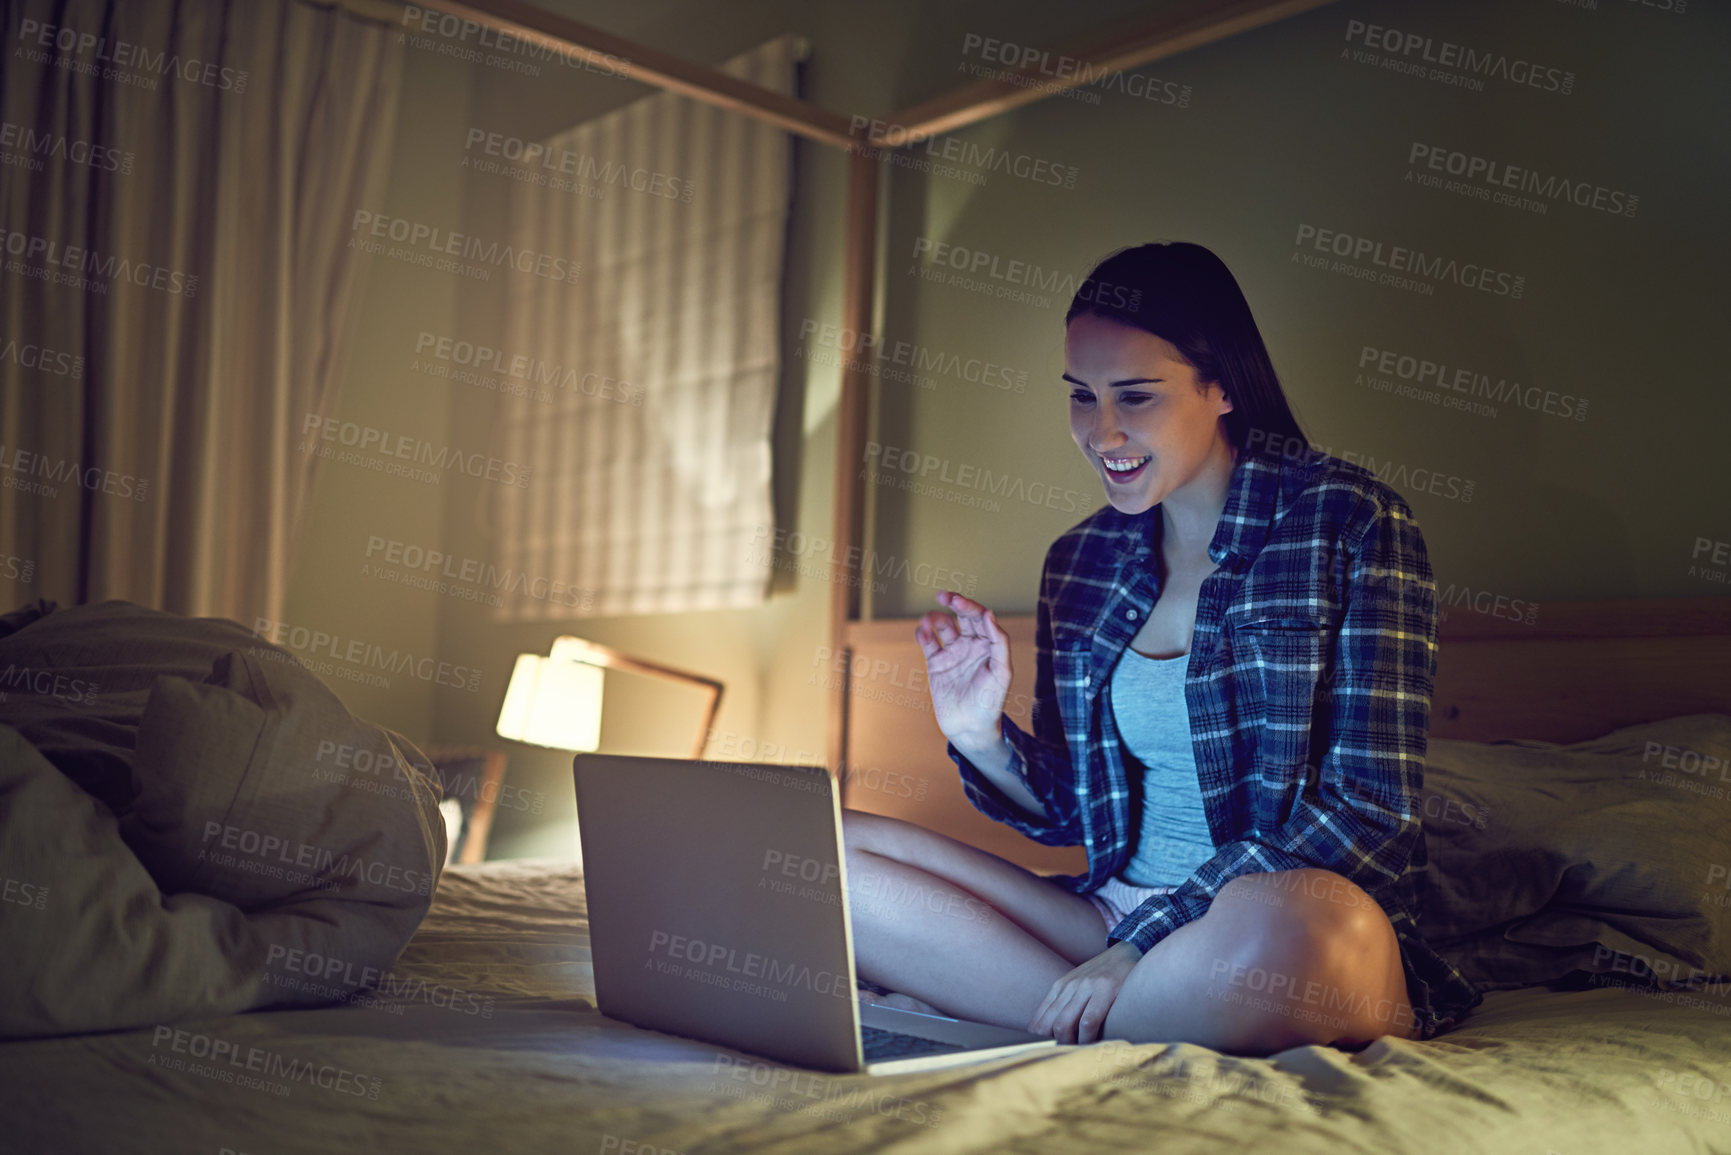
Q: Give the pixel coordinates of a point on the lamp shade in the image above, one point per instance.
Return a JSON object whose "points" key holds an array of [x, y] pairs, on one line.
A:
{"points": [[553, 702]]}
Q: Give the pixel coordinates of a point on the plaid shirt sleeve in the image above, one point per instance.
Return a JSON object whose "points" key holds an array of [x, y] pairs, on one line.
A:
{"points": [[1040, 759], [1357, 810]]}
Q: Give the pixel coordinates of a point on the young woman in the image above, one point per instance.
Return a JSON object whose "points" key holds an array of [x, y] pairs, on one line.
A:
{"points": [[1232, 697]]}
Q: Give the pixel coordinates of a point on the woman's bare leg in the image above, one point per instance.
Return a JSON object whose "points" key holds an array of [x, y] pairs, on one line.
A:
{"points": [[1279, 960], [1282, 959], [963, 930]]}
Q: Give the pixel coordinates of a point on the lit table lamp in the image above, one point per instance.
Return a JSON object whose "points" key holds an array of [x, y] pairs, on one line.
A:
{"points": [[556, 700]]}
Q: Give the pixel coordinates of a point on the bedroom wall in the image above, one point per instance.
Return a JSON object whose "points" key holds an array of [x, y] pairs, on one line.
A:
{"points": [[1237, 145], [1605, 486]]}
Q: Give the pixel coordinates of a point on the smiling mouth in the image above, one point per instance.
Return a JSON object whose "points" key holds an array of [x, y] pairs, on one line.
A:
{"points": [[1123, 469]]}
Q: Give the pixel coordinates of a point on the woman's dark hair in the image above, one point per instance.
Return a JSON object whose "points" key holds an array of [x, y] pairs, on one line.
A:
{"points": [[1184, 294]]}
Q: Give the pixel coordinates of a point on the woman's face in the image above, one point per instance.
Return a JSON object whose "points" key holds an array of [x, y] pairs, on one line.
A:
{"points": [[1137, 412]]}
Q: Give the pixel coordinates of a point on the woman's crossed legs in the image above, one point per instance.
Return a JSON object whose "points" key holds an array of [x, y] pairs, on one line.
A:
{"points": [[1279, 960]]}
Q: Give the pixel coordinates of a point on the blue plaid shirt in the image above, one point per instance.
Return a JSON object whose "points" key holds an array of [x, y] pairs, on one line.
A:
{"points": [[1308, 685]]}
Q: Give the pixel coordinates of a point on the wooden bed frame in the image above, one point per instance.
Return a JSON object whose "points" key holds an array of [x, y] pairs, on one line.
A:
{"points": [[1581, 670]]}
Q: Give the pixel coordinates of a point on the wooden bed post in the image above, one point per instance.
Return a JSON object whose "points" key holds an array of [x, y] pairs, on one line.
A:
{"points": [[852, 417]]}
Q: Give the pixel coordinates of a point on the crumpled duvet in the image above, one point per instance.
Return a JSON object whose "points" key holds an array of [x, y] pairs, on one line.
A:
{"points": [[182, 827]]}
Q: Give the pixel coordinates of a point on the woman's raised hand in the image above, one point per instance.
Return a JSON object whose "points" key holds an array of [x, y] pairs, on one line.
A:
{"points": [[967, 669]]}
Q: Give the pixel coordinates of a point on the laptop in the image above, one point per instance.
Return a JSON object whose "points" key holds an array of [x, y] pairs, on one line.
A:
{"points": [[718, 910]]}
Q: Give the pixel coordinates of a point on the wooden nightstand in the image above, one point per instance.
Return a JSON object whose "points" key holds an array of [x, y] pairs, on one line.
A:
{"points": [[473, 775]]}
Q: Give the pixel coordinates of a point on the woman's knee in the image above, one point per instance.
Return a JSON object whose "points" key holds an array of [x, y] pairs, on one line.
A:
{"points": [[1322, 959], [897, 838], [877, 833], [1311, 910]]}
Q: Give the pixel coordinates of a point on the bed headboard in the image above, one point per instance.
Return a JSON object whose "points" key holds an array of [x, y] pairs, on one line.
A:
{"points": [[1581, 669]]}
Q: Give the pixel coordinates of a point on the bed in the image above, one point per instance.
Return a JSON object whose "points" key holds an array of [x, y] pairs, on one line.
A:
{"points": [[488, 1040], [483, 1034]]}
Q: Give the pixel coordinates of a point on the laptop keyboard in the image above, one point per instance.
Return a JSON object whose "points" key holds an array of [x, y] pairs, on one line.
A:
{"points": [[880, 1044]]}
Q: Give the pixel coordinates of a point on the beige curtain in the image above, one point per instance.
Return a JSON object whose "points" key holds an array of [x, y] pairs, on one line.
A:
{"points": [[175, 197], [655, 371]]}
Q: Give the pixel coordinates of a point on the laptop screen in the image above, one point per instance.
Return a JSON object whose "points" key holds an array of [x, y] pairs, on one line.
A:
{"points": [[716, 896]]}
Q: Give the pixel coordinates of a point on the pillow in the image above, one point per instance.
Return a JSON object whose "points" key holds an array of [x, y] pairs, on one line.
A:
{"points": [[1606, 856]]}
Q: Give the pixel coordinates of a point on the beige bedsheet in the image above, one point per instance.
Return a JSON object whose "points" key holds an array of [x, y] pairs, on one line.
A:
{"points": [[485, 1040]]}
